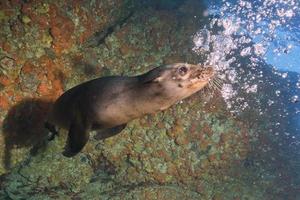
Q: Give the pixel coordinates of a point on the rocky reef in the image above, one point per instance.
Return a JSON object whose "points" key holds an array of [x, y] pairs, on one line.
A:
{"points": [[194, 150]]}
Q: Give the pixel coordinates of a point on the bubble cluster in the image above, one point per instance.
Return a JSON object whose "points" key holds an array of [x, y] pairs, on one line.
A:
{"points": [[250, 28]]}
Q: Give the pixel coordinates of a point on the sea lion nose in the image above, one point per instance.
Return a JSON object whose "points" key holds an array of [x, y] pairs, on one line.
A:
{"points": [[210, 70], [204, 72]]}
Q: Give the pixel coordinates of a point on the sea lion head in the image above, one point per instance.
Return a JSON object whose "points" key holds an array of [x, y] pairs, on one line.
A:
{"points": [[187, 76], [179, 80], [185, 79]]}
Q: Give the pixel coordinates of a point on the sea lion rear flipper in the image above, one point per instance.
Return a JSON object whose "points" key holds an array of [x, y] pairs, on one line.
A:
{"points": [[109, 132], [77, 138]]}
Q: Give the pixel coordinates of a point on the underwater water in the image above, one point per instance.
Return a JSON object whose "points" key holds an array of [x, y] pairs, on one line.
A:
{"points": [[236, 140]]}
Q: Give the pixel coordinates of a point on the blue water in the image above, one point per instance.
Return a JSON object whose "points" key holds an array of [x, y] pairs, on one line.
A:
{"points": [[288, 61]]}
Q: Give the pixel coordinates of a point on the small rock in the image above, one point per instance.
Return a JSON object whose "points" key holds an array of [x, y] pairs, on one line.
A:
{"points": [[4, 80], [29, 78], [26, 19], [7, 62]]}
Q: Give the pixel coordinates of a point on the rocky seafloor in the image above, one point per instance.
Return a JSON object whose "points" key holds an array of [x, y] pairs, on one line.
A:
{"points": [[194, 150]]}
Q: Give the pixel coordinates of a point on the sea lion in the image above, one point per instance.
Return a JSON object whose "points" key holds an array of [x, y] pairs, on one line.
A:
{"points": [[109, 103]]}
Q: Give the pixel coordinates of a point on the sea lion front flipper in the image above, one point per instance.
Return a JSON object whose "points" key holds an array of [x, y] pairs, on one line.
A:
{"points": [[77, 138], [109, 132]]}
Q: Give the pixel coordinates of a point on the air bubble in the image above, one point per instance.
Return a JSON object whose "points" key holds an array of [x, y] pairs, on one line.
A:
{"points": [[295, 99], [284, 75]]}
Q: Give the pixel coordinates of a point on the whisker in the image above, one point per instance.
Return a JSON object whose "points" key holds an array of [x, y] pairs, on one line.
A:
{"points": [[212, 87], [216, 84], [218, 81]]}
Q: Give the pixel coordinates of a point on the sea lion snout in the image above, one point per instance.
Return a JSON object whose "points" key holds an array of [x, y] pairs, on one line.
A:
{"points": [[204, 73], [200, 73], [184, 74]]}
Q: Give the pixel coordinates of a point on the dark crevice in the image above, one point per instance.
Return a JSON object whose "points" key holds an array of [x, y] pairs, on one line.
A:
{"points": [[100, 36]]}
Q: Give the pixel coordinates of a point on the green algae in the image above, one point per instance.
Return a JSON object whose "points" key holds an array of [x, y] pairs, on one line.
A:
{"points": [[42, 8], [47, 40], [26, 19], [3, 16]]}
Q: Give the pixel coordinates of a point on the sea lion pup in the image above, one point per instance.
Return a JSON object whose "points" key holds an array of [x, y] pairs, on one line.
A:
{"points": [[108, 103]]}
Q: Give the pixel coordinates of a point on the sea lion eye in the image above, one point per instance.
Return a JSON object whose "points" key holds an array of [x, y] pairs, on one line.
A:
{"points": [[182, 70]]}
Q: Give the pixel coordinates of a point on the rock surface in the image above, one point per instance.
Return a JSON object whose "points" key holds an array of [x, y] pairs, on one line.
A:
{"points": [[194, 150]]}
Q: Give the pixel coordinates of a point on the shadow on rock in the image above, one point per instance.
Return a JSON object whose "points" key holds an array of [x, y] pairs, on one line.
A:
{"points": [[24, 127]]}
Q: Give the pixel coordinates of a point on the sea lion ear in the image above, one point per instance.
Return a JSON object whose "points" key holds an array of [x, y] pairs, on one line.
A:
{"points": [[154, 75]]}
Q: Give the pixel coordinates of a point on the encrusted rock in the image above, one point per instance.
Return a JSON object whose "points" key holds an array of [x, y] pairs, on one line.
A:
{"points": [[7, 63]]}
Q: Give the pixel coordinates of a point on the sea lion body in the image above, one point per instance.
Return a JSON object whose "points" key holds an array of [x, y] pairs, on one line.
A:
{"points": [[108, 103], [98, 100]]}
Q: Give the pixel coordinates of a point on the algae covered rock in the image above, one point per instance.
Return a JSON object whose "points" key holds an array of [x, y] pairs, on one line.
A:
{"points": [[196, 149]]}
